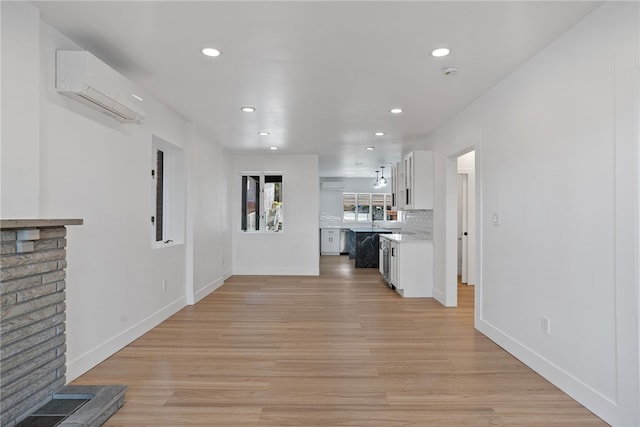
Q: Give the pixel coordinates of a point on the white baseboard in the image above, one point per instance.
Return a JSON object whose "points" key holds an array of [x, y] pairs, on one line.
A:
{"points": [[278, 272], [206, 290], [98, 354], [439, 296], [590, 398]]}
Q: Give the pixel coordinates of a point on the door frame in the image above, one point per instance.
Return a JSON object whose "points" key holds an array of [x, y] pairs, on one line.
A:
{"points": [[451, 229], [463, 224]]}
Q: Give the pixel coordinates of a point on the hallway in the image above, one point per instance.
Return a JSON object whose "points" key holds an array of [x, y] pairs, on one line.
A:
{"points": [[335, 350]]}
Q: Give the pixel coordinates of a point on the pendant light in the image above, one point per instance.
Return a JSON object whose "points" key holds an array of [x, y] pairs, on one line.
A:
{"points": [[383, 180], [376, 183]]}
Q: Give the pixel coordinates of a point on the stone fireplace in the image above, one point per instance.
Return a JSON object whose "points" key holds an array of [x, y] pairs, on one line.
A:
{"points": [[32, 333]]}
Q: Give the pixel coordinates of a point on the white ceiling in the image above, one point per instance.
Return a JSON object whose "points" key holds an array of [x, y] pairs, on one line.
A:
{"points": [[322, 75]]}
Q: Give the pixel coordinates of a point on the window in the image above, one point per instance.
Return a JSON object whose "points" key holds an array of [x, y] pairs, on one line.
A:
{"points": [[262, 202], [160, 199], [349, 207], [377, 202], [361, 207], [273, 202], [250, 202], [364, 207], [167, 174]]}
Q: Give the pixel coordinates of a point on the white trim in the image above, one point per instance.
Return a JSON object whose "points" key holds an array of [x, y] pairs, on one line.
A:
{"points": [[278, 272], [439, 296], [98, 354], [580, 391], [626, 237], [174, 193], [205, 290], [190, 214]]}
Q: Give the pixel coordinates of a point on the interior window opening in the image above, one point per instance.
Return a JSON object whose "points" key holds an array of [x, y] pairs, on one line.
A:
{"points": [[262, 203]]}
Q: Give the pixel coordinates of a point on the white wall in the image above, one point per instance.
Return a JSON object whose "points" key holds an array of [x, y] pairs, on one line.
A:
{"points": [[19, 151], [211, 236], [94, 168], [553, 163], [294, 251]]}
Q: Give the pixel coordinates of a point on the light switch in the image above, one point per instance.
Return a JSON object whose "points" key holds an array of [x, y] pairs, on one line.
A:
{"points": [[496, 218]]}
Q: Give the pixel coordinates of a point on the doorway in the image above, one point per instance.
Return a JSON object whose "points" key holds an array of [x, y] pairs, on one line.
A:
{"points": [[466, 230], [469, 165]]}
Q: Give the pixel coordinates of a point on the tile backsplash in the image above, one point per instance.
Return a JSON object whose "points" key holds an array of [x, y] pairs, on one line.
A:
{"points": [[413, 221], [418, 222], [330, 219]]}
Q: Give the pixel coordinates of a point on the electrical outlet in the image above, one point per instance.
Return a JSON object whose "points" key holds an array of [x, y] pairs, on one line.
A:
{"points": [[164, 285], [546, 325]]}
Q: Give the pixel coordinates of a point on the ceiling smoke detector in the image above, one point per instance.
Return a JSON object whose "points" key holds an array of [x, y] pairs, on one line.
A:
{"points": [[450, 71]]}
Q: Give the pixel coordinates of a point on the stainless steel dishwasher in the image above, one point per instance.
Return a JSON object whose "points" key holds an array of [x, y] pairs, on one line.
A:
{"points": [[344, 241]]}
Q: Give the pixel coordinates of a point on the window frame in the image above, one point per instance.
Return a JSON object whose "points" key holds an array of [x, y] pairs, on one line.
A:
{"points": [[168, 215], [264, 178]]}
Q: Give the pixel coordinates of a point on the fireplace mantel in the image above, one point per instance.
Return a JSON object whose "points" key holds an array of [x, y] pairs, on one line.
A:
{"points": [[7, 224]]}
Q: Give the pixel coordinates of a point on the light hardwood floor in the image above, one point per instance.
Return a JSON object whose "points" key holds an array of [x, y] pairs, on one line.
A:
{"points": [[340, 349]]}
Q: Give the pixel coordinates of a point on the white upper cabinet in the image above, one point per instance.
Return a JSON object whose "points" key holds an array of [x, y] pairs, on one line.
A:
{"points": [[397, 186], [418, 180]]}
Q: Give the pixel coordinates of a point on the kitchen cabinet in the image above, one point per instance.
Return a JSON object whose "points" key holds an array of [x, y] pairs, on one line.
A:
{"points": [[410, 265], [418, 180], [397, 186], [330, 241]]}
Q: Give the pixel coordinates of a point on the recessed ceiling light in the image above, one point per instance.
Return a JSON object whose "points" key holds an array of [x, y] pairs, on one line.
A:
{"points": [[440, 52], [263, 133], [209, 51], [370, 148], [273, 148], [137, 97], [396, 110], [248, 109], [379, 134]]}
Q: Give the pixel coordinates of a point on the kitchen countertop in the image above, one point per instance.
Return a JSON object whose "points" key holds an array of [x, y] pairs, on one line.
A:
{"points": [[369, 230], [402, 238]]}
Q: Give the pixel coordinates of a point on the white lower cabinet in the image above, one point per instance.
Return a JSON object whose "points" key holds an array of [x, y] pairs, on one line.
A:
{"points": [[330, 241], [411, 268]]}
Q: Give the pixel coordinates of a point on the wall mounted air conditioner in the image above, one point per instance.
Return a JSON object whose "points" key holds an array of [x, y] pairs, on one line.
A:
{"points": [[85, 78], [333, 185]]}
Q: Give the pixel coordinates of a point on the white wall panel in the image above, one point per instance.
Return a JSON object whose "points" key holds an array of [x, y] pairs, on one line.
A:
{"points": [[80, 163], [547, 144], [294, 251], [20, 149]]}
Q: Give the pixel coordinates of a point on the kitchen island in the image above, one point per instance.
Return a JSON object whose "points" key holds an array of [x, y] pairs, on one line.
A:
{"points": [[363, 246]]}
